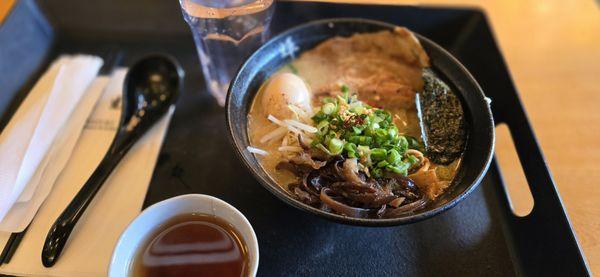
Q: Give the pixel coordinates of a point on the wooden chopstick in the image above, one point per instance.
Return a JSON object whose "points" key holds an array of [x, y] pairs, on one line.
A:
{"points": [[11, 246], [7, 248]]}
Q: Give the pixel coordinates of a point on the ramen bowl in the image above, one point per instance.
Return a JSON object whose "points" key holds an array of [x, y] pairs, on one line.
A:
{"points": [[283, 48]]}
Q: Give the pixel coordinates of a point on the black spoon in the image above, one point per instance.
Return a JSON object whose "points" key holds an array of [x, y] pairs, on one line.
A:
{"points": [[151, 87]]}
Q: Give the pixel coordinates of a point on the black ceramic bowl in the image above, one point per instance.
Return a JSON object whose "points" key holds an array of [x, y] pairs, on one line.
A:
{"points": [[278, 52]]}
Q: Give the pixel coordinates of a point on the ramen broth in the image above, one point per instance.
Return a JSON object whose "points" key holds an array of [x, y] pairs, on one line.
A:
{"points": [[312, 70], [258, 124]]}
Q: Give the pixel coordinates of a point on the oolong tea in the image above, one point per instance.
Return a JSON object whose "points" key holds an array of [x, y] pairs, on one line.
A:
{"points": [[193, 245]]}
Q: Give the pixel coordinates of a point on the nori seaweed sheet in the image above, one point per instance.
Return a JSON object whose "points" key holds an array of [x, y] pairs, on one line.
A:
{"points": [[442, 120]]}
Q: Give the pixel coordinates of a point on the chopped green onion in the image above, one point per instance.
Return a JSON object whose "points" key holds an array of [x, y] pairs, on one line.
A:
{"points": [[328, 108], [403, 143], [354, 129], [381, 133], [392, 132], [351, 150], [394, 157], [400, 169], [363, 150], [376, 172], [345, 89], [361, 140], [318, 117], [414, 143], [357, 108], [323, 126], [412, 159], [321, 147], [378, 154], [329, 100], [382, 164], [351, 147], [335, 146]]}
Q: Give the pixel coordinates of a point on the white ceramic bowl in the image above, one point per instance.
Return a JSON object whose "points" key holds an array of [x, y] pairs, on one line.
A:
{"points": [[138, 230]]}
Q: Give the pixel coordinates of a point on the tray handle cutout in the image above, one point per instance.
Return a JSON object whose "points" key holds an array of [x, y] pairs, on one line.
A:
{"points": [[546, 200], [515, 183]]}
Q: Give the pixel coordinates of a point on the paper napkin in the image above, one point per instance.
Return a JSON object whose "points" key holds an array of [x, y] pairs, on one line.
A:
{"points": [[23, 211], [120, 199], [43, 122]]}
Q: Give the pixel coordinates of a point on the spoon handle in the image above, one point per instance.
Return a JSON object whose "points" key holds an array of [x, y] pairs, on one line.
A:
{"points": [[64, 224]]}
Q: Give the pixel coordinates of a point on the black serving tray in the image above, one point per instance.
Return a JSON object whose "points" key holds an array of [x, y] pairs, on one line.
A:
{"points": [[479, 237]]}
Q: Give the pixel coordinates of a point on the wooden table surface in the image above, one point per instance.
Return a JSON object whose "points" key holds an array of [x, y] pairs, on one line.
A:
{"points": [[552, 48]]}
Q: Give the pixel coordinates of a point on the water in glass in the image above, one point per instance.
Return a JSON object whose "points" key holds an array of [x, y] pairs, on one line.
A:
{"points": [[226, 32]]}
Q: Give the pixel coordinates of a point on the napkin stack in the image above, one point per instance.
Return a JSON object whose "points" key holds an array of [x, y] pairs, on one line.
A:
{"points": [[37, 141], [120, 199]]}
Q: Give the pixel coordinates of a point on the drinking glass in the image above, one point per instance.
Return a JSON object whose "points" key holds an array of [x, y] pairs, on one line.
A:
{"points": [[225, 33]]}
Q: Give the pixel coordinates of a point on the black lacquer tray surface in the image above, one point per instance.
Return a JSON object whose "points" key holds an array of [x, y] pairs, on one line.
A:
{"points": [[480, 236]]}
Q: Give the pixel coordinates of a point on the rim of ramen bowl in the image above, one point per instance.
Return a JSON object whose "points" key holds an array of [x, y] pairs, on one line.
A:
{"points": [[271, 185]]}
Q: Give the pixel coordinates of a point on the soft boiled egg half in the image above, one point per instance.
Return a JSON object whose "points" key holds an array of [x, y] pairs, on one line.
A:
{"points": [[285, 90]]}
